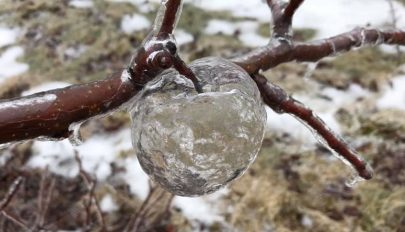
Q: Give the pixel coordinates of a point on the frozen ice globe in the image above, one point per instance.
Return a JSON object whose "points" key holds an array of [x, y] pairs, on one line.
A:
{"points": [[193, 144]]}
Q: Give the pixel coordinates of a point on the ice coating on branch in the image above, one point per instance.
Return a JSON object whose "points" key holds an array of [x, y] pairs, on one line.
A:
{"points": [[161, 14], [193, 144], [355, 177], [75, 137]]}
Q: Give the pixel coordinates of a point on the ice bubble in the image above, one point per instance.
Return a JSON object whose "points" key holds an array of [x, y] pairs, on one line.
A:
{"points": [[193, 144]]}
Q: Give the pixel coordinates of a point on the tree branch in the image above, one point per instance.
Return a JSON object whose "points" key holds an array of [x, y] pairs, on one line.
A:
{"points": [[12, 190], [171, 11], [277, 99], [50, 114], [282, 14], [291, 8], [268, 57]]}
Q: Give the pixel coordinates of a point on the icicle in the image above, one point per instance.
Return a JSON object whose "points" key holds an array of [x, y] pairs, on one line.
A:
{"points": [[75, 137], [161, 14], [355, 178], [311, 67]]}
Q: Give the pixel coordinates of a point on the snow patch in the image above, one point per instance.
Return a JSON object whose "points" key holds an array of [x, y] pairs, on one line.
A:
{"points": [[216, 26], [136, 178], [324, 15], [81, 3], [96, 153], [107, 204], [393, 97], [58, 157], [248, 31], [75, 51], [183, 37], [202, 209], [8, 36], [251, 9], [135, 22], [9, 66]]}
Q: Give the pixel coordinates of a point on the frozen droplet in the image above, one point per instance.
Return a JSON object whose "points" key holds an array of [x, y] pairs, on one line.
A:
{"points": [[193, 144], [353, 180], [5, 145], [75, 137], [311, 67]]}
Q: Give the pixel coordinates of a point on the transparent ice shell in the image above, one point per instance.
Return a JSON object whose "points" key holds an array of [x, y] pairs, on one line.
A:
{"points": [[193, 144]]}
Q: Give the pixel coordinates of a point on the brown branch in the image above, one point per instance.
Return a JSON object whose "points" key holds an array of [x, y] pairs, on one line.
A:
{"points": [[44, 199], [265, 58], [279, 101], [282, 14], [12, 191], [132, 222], [394, 25], [50, 114], [184, 70], [172, 10], [14, 218], [160, 50], [291, 8], [91, 184]]}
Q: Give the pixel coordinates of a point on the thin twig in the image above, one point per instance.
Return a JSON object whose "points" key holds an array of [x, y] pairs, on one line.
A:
{"points": [[280, 102], [50, 113], [45, 196], [172, 10], [15, 219], [12, 190], [394, 20], [133, 219], [142, 214], [91, 184], [291, 8], [282, 14]]}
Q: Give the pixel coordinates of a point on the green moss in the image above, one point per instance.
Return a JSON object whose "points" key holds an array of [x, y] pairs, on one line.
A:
{"points": [[304, 34], [264, 29], [301, 34], [53, 28], [194, 19], [362, 62], [369, 67]]}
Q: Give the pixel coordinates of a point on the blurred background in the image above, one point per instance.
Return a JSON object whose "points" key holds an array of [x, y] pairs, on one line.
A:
{"points": [[294, 185]]}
